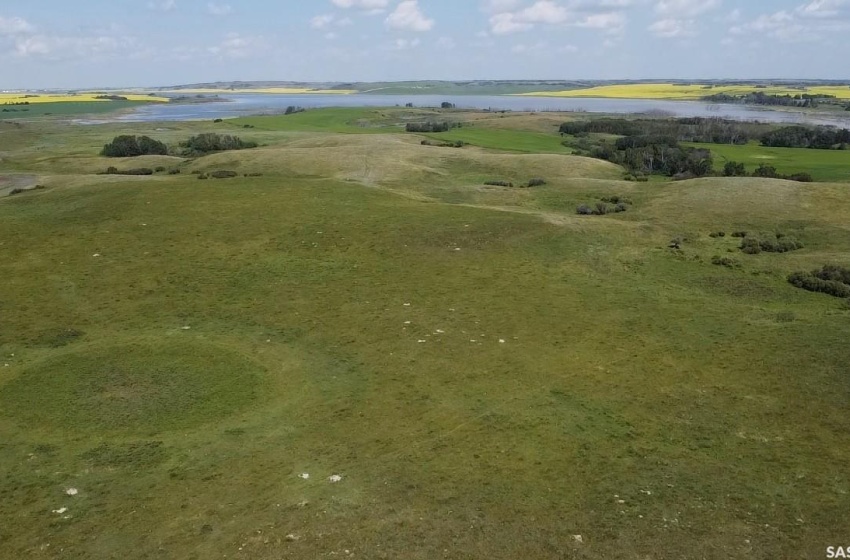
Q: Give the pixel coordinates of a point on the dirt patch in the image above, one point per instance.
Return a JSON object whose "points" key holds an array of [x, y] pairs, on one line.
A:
{"points": [[8, 183]]}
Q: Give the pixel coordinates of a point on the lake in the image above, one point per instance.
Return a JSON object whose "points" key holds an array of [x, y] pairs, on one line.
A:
{"points": [[238, 105]]}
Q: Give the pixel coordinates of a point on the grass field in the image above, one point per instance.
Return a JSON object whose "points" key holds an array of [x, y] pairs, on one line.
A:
{"points": [[489, 374], [824, 165], [687, 92]]}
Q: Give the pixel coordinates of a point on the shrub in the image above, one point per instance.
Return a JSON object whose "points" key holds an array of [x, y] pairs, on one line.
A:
{"points": [[137, 171], [210, 142], [218, 120], [812, 283], [202, 176], [159, 169], [584, 210], [601, 209], [801, 177], [132, 146], [755, 245], [835, 273], [223, 174], [111, 170], [739, 234], [427, 127], [253, 175], [536, 182], [724, 261], [498, 183], [174, 172], [716, 234], [616, 200], [620, 207], [734, 169], [643, 179]]}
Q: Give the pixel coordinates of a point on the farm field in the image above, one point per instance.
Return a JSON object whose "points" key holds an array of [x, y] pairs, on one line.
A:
{"points": [[355, 348], [687, 92], [38, 98]]}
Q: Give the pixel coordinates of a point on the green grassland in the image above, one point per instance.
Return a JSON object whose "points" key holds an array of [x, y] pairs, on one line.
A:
{"points": [[64, 109], [491, 375], [824, 165]]}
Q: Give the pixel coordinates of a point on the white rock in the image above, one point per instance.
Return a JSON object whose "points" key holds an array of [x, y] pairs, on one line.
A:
{"points": [[578, 538], [60, 511], [187, 328], [305, 476], [72, 491], [407, 305], [501, 341], [335, 478], [96, 255]]}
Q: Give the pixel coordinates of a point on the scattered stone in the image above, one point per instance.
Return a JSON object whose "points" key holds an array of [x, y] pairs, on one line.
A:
{"points": [[335, 478], [292, 538], [305, 476], [72, 491], [501, 341], [96, 255], [187, 328], [578, 538], [60, 511]]}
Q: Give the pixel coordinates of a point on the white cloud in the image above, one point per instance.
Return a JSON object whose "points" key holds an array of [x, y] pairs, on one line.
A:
{"points": [[162, 5], [372, 6], [70, 48], [824, 8], [499, 6], [235, 45], [219, 9], [673, 28], [811, 22], [599, 14], [685, 9], [14, 26], [407, 15]]}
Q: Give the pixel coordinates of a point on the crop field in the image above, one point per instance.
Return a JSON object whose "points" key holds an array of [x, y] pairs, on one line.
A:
{"points": [[36, 98], [355, 348], [275, 91], [688, 92]]}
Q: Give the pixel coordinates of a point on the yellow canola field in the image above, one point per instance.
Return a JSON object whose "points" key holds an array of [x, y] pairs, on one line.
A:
{"points": [[688, 92], [10, 98], [280, 91]]}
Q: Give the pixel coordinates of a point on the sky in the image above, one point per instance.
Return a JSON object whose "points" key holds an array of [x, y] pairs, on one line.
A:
{"points": [[146, 43]]}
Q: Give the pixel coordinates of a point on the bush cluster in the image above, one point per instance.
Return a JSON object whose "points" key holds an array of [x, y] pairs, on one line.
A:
{"points": [[210, 142], [132, 146], [601, 208], [832, 280], [724, 261], [499, 184], [136, 171], [777, 244], [455, 144], [223, 174]]}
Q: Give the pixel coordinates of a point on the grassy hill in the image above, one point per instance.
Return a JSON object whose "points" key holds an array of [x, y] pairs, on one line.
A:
{"points": [[490, 374]]}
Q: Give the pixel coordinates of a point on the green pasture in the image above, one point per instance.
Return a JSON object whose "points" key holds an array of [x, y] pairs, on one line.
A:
{"points": [[489, 374]]}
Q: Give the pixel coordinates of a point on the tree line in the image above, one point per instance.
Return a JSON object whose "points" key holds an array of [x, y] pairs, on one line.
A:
{"points": [[760, 98]]}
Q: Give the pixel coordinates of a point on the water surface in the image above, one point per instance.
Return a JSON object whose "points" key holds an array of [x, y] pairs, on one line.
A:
{"points": [[238, 105]]}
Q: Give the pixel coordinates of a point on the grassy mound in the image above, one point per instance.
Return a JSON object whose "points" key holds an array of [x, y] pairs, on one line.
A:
{"points": [[135, 388]]}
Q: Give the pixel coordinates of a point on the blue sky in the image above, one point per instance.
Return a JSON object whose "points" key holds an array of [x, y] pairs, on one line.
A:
{"points": [[99, 43]]}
